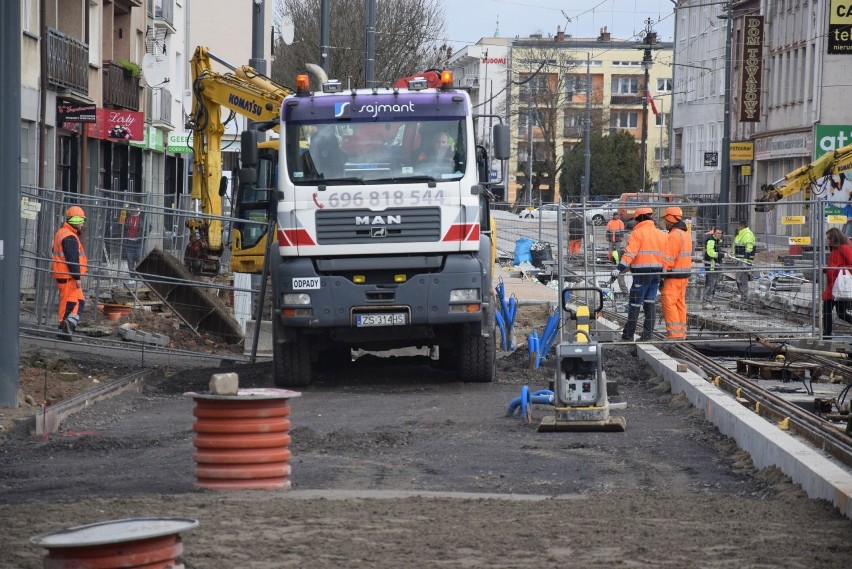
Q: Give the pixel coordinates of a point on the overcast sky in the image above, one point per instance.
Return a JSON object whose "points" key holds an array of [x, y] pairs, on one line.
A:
{"points": [[470, 20]]}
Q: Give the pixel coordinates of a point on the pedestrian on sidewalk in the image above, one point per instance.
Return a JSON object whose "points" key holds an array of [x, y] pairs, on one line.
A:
{"points": [[677, 263], [69, 265], [713, 255], [644, 256], [744, 252], [840, 256]]}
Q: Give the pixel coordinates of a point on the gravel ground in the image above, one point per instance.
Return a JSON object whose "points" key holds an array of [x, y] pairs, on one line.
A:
{"points": [[396, 464]]}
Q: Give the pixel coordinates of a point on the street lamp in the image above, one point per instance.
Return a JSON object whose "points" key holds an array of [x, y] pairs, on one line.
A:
{"points": [[647, 63]]}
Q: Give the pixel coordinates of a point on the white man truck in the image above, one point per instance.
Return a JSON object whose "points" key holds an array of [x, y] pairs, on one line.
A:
{"points": [[383, 243]]}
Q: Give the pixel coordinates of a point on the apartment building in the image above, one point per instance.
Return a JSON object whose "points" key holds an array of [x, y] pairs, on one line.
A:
{"points": [[548, 80], [483, 69], [89, 119]]}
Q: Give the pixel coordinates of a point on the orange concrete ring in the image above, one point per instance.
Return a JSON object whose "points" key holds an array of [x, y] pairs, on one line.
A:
{"points": [[241, 442], [262, 440]]}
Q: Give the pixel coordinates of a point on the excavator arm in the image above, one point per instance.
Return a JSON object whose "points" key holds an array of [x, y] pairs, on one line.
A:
{"points": [[245, 92], [815, 175]]}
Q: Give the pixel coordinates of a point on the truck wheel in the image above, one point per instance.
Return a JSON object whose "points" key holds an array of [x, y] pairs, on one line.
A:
{"points": [[292, 365], [477, 357]]}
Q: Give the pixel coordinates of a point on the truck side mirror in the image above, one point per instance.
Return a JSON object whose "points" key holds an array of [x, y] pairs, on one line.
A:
{"points": [[248, 176], [248, 147], [501, 141]]}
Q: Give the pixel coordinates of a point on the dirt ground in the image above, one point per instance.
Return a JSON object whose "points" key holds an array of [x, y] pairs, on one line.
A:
{"points": [[396, 464]]}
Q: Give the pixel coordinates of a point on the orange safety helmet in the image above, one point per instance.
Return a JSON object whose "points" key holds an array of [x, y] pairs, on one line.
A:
{"points": [[673, 214], [75, 211], [642, 211]]}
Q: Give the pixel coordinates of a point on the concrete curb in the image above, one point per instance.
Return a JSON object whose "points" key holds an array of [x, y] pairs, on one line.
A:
{"points": [[767, 444]]}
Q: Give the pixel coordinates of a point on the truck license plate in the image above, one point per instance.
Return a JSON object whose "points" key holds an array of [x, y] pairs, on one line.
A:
{"points": [[393, 319]]}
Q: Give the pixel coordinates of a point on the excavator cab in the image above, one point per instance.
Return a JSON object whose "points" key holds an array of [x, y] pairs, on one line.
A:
{"points": [[253, 202]]}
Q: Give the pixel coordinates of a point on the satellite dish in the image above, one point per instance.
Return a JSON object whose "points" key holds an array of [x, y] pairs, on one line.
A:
{"points": [[288, 30], [154, 71]]}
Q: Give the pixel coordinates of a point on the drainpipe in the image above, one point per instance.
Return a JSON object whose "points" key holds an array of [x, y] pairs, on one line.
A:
{"points": [[42, 113]]}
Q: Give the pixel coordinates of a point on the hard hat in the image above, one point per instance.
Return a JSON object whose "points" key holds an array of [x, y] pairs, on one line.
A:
{"points": [[673, 214], [642, 211], [75, 211]]}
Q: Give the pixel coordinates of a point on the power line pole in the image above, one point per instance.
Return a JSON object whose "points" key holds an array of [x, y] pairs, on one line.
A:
{"points": [[724, 186], [647, 62], [10, 190], [587, 157]]}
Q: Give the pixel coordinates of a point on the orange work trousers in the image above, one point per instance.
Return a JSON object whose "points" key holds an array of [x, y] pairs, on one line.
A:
{"points": [[673, 299], [70, 298], [575, 246]]}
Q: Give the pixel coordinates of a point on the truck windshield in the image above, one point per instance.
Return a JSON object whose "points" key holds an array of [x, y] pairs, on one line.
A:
{"points": [[375, 152]]}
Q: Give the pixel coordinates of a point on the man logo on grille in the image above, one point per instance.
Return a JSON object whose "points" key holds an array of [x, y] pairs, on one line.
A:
{"points": [[378, 232]]}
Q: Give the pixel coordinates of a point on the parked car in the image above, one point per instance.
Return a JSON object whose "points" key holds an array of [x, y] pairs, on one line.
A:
{"points": [[547, 211], [601, 214]]}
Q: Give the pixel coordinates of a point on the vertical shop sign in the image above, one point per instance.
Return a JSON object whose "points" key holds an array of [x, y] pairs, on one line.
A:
{"points": [[752, 67]]}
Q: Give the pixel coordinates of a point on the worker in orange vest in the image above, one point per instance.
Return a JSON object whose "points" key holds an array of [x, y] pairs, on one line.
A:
{"points": [[614, 232], [677, 263], [68, 267], [644, 256]]}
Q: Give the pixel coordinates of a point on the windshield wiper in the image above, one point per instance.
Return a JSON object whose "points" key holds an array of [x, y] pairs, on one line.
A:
{"points": [[396, 179], [328, 181]]}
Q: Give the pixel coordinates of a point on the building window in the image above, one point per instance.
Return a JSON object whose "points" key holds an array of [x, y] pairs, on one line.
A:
{"points": [[661, 119], [66, 164], [664, 85], [625, 120], [576, 84], [625, 85], [661, 153], [572, 123], [537, 85]]}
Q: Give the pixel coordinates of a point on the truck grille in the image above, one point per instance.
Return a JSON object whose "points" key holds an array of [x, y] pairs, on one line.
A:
{"points": [[399, 225]]}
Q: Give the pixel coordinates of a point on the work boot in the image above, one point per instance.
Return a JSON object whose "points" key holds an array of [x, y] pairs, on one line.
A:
{"points": [[67, 327], [648, 325], [632, 320]]}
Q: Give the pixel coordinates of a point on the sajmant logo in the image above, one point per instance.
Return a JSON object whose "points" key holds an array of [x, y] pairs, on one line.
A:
{"points": [[341, 110]]}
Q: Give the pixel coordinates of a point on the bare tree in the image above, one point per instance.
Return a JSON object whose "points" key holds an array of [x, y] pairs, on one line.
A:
{"points": [[539, 99], [407, 39]]}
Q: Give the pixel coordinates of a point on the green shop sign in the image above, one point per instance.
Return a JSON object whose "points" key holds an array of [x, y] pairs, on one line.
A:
{"points": [[830, 137], [180, 142]]}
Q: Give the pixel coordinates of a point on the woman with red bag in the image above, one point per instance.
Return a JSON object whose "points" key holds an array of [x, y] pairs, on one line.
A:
{"points": [[840, 256]]}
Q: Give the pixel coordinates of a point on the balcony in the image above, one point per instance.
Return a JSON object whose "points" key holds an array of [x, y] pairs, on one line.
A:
{"points": [[163, 10], [121, 88], [625, 100], [161, 108], [67, 63]]}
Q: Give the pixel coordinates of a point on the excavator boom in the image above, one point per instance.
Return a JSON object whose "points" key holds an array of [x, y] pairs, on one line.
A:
{"points": [[245, 92], [815, 176]]}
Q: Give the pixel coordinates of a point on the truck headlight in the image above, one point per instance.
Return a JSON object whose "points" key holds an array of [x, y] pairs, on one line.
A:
{"points": [[297, 298], [464, 295]]}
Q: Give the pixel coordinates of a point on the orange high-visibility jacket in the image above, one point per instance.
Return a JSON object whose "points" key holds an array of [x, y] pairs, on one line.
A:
{"points": [[613, 228], [63, 268], [645, 246], [677, 258]]}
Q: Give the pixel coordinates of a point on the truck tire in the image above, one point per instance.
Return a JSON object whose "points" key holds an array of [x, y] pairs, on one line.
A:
{"points": [[477, 357], [292, 365]]}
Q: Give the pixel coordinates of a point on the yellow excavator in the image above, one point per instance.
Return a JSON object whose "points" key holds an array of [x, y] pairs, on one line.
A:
{"points": [[246, 92], [825, 174]]}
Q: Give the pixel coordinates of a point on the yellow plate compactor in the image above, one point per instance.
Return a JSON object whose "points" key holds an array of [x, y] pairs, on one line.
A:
{"points": [[581, 402]]}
